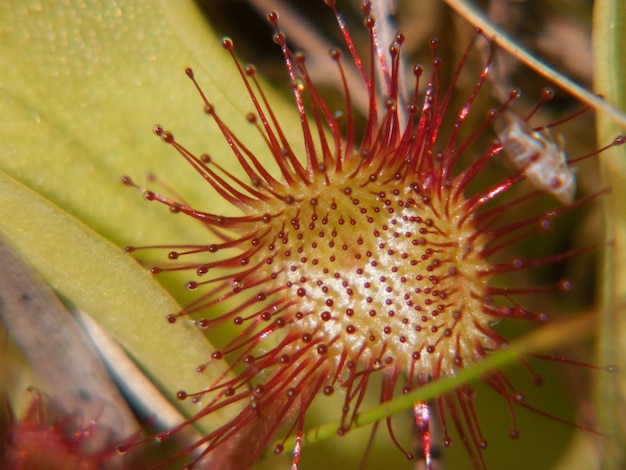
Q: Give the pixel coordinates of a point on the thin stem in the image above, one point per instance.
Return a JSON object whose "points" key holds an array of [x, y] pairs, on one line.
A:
{"points": [[476, 17], [549, 337]]}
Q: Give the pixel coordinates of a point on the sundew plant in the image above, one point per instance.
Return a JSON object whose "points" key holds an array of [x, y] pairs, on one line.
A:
{"points": [[82, 85]]}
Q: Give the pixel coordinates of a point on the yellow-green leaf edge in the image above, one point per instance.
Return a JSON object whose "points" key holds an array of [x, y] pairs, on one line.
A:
{"points": [[609, 42]]}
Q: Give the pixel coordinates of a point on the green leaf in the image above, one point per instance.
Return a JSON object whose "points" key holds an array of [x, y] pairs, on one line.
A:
{"points": [[82, 84], [102, 280], [610, 73], [79, 107]]}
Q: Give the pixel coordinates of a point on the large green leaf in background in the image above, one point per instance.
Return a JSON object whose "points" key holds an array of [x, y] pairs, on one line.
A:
{"points": [[81, 85]]}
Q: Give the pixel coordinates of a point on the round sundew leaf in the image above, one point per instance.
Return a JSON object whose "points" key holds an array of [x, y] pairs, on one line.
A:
{"points": [[610, 75]]}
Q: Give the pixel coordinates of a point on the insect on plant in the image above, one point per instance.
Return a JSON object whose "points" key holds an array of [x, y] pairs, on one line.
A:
{"points": [[540, 157], [370, 257]]}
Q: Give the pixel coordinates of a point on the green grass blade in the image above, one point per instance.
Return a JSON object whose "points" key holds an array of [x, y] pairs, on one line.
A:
{"points": [[610, 75]]}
